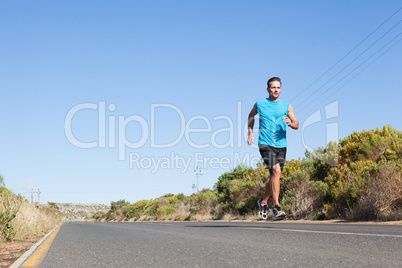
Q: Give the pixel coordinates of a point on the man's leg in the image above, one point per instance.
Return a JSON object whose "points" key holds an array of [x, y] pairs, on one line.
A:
{"points": [[277, 213], [272, 186], [268, 189], [263, 203], [275, 184]]}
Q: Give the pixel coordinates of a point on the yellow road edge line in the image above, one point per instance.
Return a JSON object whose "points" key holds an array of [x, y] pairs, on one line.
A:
{"points": [[39, 254]]}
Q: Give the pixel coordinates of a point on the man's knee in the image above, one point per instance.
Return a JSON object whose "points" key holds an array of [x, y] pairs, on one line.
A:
{"points": [[276, 169]]}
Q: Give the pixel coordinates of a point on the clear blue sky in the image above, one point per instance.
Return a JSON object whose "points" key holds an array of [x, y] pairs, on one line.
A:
{"points": [[205, 63]]}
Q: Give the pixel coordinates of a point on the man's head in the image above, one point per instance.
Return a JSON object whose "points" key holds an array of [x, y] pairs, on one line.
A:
{"points": [[272, 79], [274, 88]]}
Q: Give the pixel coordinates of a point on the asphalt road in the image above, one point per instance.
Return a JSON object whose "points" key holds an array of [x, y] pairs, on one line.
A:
{"points": [[225, 244]]}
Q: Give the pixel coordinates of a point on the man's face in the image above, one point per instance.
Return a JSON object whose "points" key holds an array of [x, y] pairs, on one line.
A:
{"points": [[274, 89]]}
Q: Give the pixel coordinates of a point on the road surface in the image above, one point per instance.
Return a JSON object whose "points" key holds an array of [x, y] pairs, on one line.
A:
{"points": [[225, 244]]}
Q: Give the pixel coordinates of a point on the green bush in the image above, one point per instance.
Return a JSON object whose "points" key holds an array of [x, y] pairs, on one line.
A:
{"points": [[164, 211], [172, 200], [181, 197], [133, 212], [364, 156], [239, 190], [115, 206], [7, 229], [98, 215], [52, 205], [150, 208], [204, 202], [247, 205], [319, 216]]}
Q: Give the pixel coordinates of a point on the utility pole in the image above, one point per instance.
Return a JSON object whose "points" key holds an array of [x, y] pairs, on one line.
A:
{"points": [[197, 172], [33, 198], [38, 196]]}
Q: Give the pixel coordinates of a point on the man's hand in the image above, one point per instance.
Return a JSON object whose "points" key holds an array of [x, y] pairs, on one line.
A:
{"points": [[250, 139], [291, 121], [251, 115], [287, 121]]}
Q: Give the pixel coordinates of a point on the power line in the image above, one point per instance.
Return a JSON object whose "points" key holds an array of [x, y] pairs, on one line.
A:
{"points": [[308, 105], [347, 54], [339, 72], [362, 70]]}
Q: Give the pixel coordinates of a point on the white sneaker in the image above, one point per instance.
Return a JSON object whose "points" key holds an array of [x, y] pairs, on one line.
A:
{"points": [[263, 210], [277, 212]]}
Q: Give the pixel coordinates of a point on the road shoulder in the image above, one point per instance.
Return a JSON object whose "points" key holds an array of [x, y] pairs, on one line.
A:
{"points": [[20, 262]]}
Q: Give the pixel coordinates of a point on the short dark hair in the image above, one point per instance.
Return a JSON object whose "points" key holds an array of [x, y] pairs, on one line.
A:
{"points": [[274, 79]]}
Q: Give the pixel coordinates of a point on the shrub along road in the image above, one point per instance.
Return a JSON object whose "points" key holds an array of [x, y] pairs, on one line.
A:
{"points": [[224, 244]]}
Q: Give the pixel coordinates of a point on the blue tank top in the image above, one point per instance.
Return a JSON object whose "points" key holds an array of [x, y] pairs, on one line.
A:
{"points": [[272, 128]]}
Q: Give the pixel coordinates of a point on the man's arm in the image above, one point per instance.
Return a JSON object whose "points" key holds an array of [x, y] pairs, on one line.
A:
{"points": [[291, 119], [251, 115]]}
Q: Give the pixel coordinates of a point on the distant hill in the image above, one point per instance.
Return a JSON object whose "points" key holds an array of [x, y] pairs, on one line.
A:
{"points": [[79, 212]]}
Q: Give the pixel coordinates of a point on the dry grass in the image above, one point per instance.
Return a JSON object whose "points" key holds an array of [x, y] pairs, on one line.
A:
{"points": [[182, 213], [383, 199], [307, 200], [303, 205], [30, 220]]}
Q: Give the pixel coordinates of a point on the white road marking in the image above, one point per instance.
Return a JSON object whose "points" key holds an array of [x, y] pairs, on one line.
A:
{"points": [[322, 232], [277, 229]]}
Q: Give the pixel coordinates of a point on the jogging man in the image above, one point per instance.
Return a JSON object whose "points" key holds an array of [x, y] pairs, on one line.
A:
{"points": [[275, 115]]}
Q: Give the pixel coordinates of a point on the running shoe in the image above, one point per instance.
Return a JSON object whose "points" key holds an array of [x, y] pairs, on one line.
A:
{"points": [[278, 213], [263, 209]]}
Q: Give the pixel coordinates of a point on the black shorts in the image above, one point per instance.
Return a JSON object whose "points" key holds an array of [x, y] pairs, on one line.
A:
{"points": [[273, 155]]}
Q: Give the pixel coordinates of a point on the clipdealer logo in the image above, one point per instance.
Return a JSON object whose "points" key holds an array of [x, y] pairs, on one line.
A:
{"points": [[116, 131]]}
